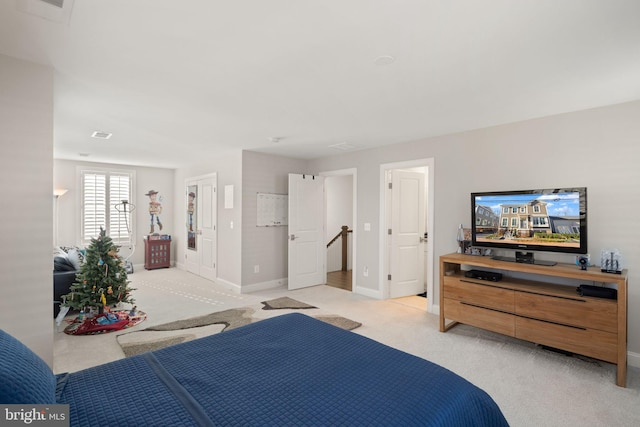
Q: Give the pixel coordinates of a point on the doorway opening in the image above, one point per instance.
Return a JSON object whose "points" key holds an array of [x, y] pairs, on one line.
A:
{"points": [[340, 228], [406, 212]]}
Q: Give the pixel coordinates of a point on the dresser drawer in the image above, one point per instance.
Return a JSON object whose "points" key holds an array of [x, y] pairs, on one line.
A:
{"points": [[479, 294], [491, 320], [589, 342], [592, 313]]}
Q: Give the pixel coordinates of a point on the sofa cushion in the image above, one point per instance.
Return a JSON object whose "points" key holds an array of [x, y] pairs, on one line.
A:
{"points": [[24, 377], [76, 257], [63, 264], [68, 258], [58, 251]]}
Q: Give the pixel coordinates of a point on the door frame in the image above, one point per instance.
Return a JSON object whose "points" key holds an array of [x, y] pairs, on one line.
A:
{"points": [[353, 172], [429, 163]]}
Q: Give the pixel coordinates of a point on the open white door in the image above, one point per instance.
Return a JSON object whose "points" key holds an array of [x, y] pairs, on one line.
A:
{"points": [[192, 255], [407, 234], [307, 250], [208, 230], [201, 226]]}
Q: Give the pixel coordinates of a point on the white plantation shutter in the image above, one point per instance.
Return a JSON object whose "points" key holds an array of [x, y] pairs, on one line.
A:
{"points": [[101, 192], [94, 193], [119, 190]]}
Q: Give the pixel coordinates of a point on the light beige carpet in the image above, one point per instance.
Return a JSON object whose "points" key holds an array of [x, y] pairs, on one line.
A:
{"points": [[159, 336]]}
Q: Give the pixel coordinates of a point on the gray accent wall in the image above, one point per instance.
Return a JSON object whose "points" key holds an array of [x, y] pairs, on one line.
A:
{"points": [[265, 247]]}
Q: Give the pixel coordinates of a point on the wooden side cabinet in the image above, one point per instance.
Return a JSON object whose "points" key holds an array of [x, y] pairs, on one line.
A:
{"points": [[545, 313], [157, 253]]}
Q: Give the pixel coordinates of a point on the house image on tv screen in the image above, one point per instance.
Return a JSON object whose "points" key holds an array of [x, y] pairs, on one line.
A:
{"points": [[525, 220]]}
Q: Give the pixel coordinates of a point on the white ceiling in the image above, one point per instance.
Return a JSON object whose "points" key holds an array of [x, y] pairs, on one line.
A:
{"points": [[177, 81]]}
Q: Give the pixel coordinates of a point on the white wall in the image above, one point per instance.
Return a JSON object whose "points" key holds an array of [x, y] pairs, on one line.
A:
{"points": [[595, 148], [65, 175], [26, 153]]}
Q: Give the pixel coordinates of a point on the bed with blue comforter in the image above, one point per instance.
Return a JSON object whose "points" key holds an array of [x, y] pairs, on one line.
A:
{"points": [[290, 370]]}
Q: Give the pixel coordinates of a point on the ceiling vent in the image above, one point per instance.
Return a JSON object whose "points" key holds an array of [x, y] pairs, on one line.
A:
{"points": [[57, 3], [101, 135], [384, 60], [343, 146], [51, 10]]}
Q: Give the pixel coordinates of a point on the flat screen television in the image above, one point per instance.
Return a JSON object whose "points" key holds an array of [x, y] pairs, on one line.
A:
{"points": [[551, 220]]}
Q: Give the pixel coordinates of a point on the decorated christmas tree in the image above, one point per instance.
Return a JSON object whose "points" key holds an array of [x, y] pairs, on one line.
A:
{"points": [[102, 280]]}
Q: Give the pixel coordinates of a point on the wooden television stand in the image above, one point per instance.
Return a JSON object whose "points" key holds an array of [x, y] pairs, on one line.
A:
{"points": [[553, 315]]}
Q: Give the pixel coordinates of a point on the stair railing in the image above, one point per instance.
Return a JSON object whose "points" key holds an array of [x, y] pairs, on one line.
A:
{"points": [[343, 234]]}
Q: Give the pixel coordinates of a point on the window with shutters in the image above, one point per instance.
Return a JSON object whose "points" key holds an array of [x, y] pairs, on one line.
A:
{"points": [[106, 197]]}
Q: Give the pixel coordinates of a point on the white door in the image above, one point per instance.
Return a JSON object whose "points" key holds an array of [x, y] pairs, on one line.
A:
{"points": [[307, 249], [208, 228], [407, 234], [192, 196], [201, 226]]}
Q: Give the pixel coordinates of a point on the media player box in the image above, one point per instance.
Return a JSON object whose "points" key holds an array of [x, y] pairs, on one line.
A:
{"points": [[597, 291], [484, 275]]}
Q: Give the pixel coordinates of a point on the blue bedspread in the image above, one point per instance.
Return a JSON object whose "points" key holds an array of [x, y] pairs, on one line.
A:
{"points": [[287, 370]]}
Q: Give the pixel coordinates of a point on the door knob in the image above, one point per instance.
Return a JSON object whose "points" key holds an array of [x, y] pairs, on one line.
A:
{"points": [[292, 237]]}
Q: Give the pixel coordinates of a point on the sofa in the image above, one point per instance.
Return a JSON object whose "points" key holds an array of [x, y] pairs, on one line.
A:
{"points": [[67, 262]]}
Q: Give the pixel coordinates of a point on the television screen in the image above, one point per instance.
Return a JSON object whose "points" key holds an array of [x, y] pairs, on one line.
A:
{"points": [[553, 220]]}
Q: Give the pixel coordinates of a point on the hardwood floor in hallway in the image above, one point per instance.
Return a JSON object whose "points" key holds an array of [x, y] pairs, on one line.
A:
{"points": [[340, 279]]}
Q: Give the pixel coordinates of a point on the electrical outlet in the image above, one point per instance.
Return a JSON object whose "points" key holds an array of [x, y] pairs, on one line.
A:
{"points": [[365, 272], [256, 269]]}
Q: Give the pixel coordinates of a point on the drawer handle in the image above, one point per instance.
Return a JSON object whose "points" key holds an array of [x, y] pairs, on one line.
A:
{"points": [[553, 323], [483, 283], [554, 296], [485, 308]]}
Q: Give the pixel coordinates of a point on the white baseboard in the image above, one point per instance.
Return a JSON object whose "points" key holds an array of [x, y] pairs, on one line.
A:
{"points": [[633, 359], [271, 284], [435, 309], [371, 293], [234, 287]]}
